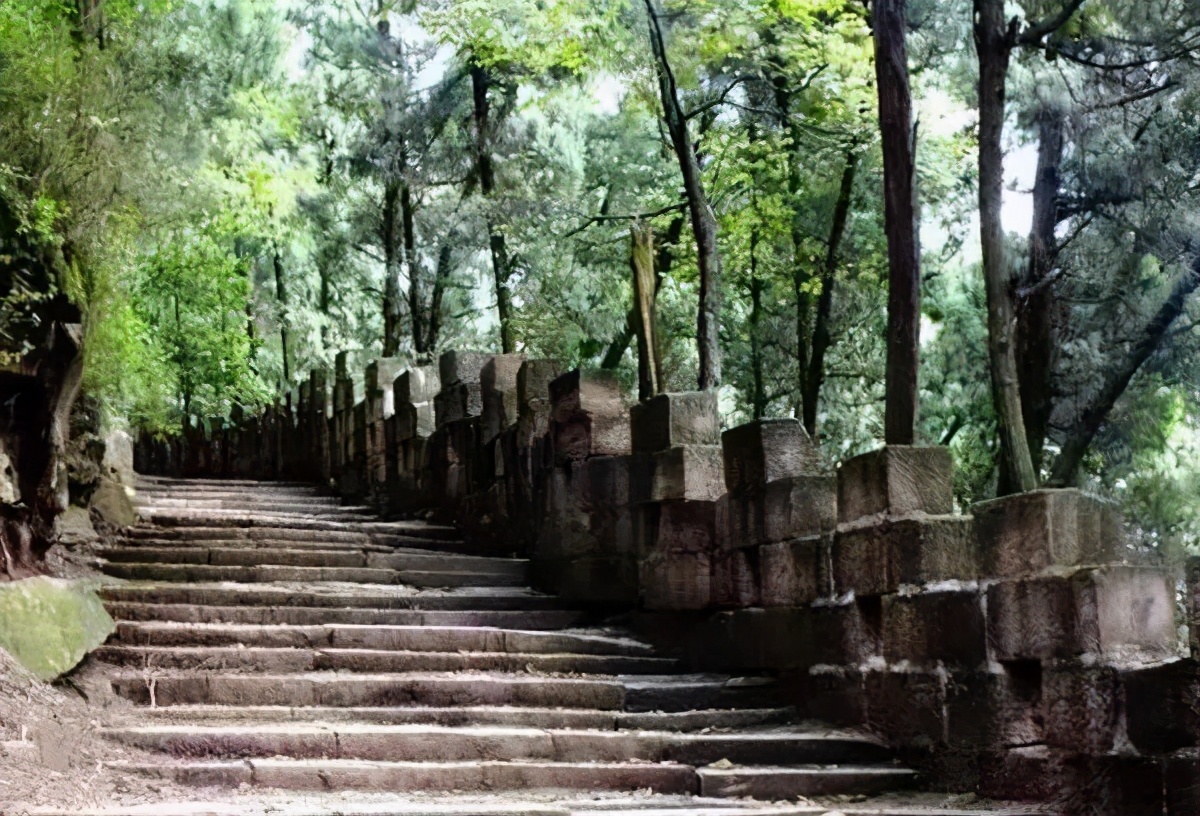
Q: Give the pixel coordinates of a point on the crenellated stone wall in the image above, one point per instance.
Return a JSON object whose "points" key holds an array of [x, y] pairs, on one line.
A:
{"points": [[1025, 651]]}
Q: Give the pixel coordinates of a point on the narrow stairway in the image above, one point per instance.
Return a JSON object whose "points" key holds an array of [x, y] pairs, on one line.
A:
{"points": [[275, 639]]}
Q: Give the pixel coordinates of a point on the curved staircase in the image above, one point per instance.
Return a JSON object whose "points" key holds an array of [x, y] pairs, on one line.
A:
{"points": [[274, 639]]}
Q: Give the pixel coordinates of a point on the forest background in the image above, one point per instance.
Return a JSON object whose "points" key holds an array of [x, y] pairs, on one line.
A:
{"points": [[233, 191]]}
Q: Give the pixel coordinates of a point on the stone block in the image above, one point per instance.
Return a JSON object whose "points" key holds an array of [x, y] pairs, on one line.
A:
{"points": [[1078, 784], [1162, 706], [1080, 708], [1192, 601], [765, 450], [677, 526], [845, 633], [1182, 784], [417, 384], [457, 401], [498, 384], [688, 472], [415, 419], [379, 379], [898, 480], [676, 581], [798, 506], [1031, 532], [935, 627], [533, 380], [907, 707], [462, 367], [594, 579], [589, 416], [736, 581], [1110, 611], [670, 420], [994, 709], [794, 573], [834, 694], [879, 558]]}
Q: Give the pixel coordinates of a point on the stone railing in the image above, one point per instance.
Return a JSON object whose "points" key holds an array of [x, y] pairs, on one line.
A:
{"points": [[1026, 651]]}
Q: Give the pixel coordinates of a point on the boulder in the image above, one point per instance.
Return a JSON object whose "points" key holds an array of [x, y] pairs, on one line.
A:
{"points": [[49, 625]]}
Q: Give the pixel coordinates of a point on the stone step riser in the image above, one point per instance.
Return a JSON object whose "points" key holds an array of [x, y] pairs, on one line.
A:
{"points": [[192, 573], [543, 620], [179, 498], [198, 534], [546, 718], [506, 599], [234, 556], [388, 638], [274, 661], [478, 744], [788, 783], [467, 777], [351, 690], [246, 524]]}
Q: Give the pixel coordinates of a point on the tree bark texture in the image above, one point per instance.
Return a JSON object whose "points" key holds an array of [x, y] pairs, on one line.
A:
{"points": [[501, 263], [645, 292], [664, 256], [704, 221], [392, 297], [900, 217], [994, 39], [281, 298]]}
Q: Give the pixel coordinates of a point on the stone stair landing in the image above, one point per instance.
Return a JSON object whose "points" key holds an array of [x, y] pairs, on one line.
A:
{"points": [[274, 640]]}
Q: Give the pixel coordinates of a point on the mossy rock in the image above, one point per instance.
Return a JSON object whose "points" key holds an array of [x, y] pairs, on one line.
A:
{"points": [[112, 504], [49, 625]]}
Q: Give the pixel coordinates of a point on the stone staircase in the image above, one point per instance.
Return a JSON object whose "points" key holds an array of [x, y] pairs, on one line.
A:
{"points": [[275, 639]]}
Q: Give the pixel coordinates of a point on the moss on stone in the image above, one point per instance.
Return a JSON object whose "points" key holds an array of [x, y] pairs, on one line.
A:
{"points": [[49, 624]]}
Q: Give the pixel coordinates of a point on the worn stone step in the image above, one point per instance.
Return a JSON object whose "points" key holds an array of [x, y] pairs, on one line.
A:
{"points": [[185, 544], [334, 595], [415, 534], [528, 717], [334, 774], [406, 638], [372, 690], [233, 555], [274, 660], [685, 692], [266, 573], [433, 743], [533, 619], [215, 519], [227, 500], [772, 783]]}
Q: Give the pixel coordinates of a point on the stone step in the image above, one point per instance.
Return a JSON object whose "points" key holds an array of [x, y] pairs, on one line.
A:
{"points": [[533, 619], [233, 555], [334, 596], [186, 524], [313, 518], [267, 573], [432, 743], [179, 482], [343, 774], [329, 688], [276, 660], [405, 638], [361, 545], [219, 499], [772, 783], [548, 718], [303, 508], [288, 534]]}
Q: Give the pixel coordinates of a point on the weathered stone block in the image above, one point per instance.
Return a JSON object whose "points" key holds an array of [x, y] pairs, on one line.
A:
{"points": [[879, 558], [1162, 706], [1079, 708], [937, 626], [834, 694], [671, 420], [1192, 599], [379, 379], [794, 573], [457, 401], [498, 383], [908, 707], [1030, 532], [589, 416], [765, 450], [1078, 784], [462, 367], [1182, 783], [736, 581], [534, 378], [990, 710], [1112, 611], [415, 419], [691, 472], [676, 581], [417, 384], [897, 480], [798, 506], [677, 526]]}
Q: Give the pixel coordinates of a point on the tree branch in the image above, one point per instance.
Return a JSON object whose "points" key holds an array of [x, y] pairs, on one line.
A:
{"points": [[1036, 32]]}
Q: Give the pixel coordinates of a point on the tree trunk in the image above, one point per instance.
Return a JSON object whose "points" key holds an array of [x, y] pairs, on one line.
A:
{"points": [[412, 265], [900, 216], [663, 258], [822, 339], [758, 397], [704, 221], [392, 316], [993, 43], [1117, 379], [440, 278], [281, 297], [501, 264], [645, 290], [1038, 308]]}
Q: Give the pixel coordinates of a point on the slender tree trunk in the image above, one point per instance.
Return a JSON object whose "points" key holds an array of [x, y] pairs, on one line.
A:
{"points": [[1038, 308], [501, 263], [1117, 379], [822, 338], [664, 256], [645, 289], [440, 278], [704, 221], [392, 297], [281, 297], [412, 265], [758, 399], [993, 42], [900, 215]]}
